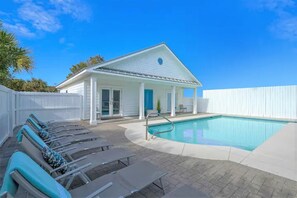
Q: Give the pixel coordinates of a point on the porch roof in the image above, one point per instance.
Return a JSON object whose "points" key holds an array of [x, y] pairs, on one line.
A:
{"points": [[143, 75]]}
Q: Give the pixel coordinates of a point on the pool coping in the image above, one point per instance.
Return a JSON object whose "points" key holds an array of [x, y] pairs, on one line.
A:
{"points": [[263, 157]]}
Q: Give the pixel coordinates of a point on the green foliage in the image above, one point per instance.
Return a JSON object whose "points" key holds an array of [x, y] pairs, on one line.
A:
{"points": [[34, 85], [13, 58], [82, 65], [159, 105]]}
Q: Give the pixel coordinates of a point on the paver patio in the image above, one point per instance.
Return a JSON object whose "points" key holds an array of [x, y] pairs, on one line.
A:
{"points": [[216, 178]]}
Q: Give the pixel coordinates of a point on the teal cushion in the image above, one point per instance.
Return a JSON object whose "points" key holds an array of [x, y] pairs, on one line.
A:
{"points": [[39, 122], [54, 159], [34, 124], [33, 136], [34, 174]]}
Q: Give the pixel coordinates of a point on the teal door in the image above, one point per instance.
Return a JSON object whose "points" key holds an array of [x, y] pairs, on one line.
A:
{"points": [[148, 99]]}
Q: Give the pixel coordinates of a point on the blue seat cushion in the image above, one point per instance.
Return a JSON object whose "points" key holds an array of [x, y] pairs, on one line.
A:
{"points": [[26, 129], [34, 174]]}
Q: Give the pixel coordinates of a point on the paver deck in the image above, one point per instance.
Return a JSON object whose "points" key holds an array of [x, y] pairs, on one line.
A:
{"points": [[217, 178]]}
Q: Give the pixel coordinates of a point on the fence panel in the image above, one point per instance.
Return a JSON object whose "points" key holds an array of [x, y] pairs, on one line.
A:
{"points": [[274, 102], [6, 115], [49, 106], [15, 107], [188, 103]]}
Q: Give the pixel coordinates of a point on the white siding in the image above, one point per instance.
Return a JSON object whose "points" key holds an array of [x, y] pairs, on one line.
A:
{"points": [[274, 102], [130, 99], [130, 94], [148, 63], [79, 88]]}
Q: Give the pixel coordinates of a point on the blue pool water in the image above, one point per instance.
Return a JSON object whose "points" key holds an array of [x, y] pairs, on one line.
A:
{"points": [[244, 133]]}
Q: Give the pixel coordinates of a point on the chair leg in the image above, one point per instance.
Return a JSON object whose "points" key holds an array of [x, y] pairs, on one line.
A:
{"points": [[161, 184]]}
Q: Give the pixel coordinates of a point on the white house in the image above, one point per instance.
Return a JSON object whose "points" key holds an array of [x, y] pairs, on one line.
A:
{"points": [[131, 84]]}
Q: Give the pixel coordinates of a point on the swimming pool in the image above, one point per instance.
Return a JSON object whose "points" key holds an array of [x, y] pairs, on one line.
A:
{"points": [[243, 133]]}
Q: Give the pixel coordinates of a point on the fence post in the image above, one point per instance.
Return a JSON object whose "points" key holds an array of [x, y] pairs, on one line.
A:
{"points": [[17, 104], [13, 98], [11, 112]]}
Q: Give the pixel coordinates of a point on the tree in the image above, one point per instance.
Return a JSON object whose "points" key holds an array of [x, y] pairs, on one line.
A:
{"points": [[13, 58], [34, 85], [82, 65]]}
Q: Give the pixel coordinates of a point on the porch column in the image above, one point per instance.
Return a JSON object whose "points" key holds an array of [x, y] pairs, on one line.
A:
{"points": [[141, 101], [195, 101], [93, 90], [173, 101]]}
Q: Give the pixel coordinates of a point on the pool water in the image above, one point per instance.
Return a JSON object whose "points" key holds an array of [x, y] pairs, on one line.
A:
{"points": [[243, 133]]}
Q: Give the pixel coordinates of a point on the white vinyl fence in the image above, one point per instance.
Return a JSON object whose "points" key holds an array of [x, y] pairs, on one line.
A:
{"points": [[7, 122], [273, 102], [188, 103], [15, 107]]}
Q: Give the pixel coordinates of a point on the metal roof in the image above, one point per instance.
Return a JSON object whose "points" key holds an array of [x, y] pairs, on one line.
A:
{"points": [[142, 75]]}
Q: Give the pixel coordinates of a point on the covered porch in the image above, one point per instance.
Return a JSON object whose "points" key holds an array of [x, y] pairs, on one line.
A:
{"points": [[112, 96]]}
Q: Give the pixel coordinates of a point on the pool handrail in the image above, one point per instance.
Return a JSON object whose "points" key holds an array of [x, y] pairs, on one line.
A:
{"points": [[157, 132]]}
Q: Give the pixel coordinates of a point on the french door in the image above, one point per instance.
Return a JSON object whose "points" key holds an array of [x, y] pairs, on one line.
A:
{"points": [[169, 101], [110, 102]]}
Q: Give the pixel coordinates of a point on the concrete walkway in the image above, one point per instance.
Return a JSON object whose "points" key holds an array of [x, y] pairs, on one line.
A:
{"points": [[278, 155], [214, 177]]}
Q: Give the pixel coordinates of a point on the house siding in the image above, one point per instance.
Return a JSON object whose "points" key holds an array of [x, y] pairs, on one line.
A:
{"points": [[129, 94], [79, 88], [148, 64]]}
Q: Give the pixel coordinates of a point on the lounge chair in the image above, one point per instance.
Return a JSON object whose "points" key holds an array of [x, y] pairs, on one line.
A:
{"points": [[63, 138], [94, 159], [69, 149], [38, 128], [23, 172], [54, 125], [185, 191], [182, 108]]}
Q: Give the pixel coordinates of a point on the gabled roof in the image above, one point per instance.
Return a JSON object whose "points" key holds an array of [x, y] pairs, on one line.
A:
{"points": [[103, 67]]}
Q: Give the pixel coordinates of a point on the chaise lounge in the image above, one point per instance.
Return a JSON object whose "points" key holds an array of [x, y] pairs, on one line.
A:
{"points": [[23, 172]]}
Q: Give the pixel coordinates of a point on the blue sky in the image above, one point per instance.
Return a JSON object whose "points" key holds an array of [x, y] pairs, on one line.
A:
{"points": [[226, 44]]}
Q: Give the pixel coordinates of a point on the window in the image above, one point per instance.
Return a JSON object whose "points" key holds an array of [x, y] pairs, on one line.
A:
{"points": [[160, 61]]}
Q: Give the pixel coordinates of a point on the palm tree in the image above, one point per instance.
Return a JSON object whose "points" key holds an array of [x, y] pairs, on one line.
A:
{"points": [[13, 58]]}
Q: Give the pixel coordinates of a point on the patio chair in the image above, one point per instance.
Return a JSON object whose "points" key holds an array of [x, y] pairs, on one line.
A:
{"points": [[57, 139], [185, 191], [94, 159], [182, 108], [23, 172], [53, 125], [69, 149], [39, 129]]}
